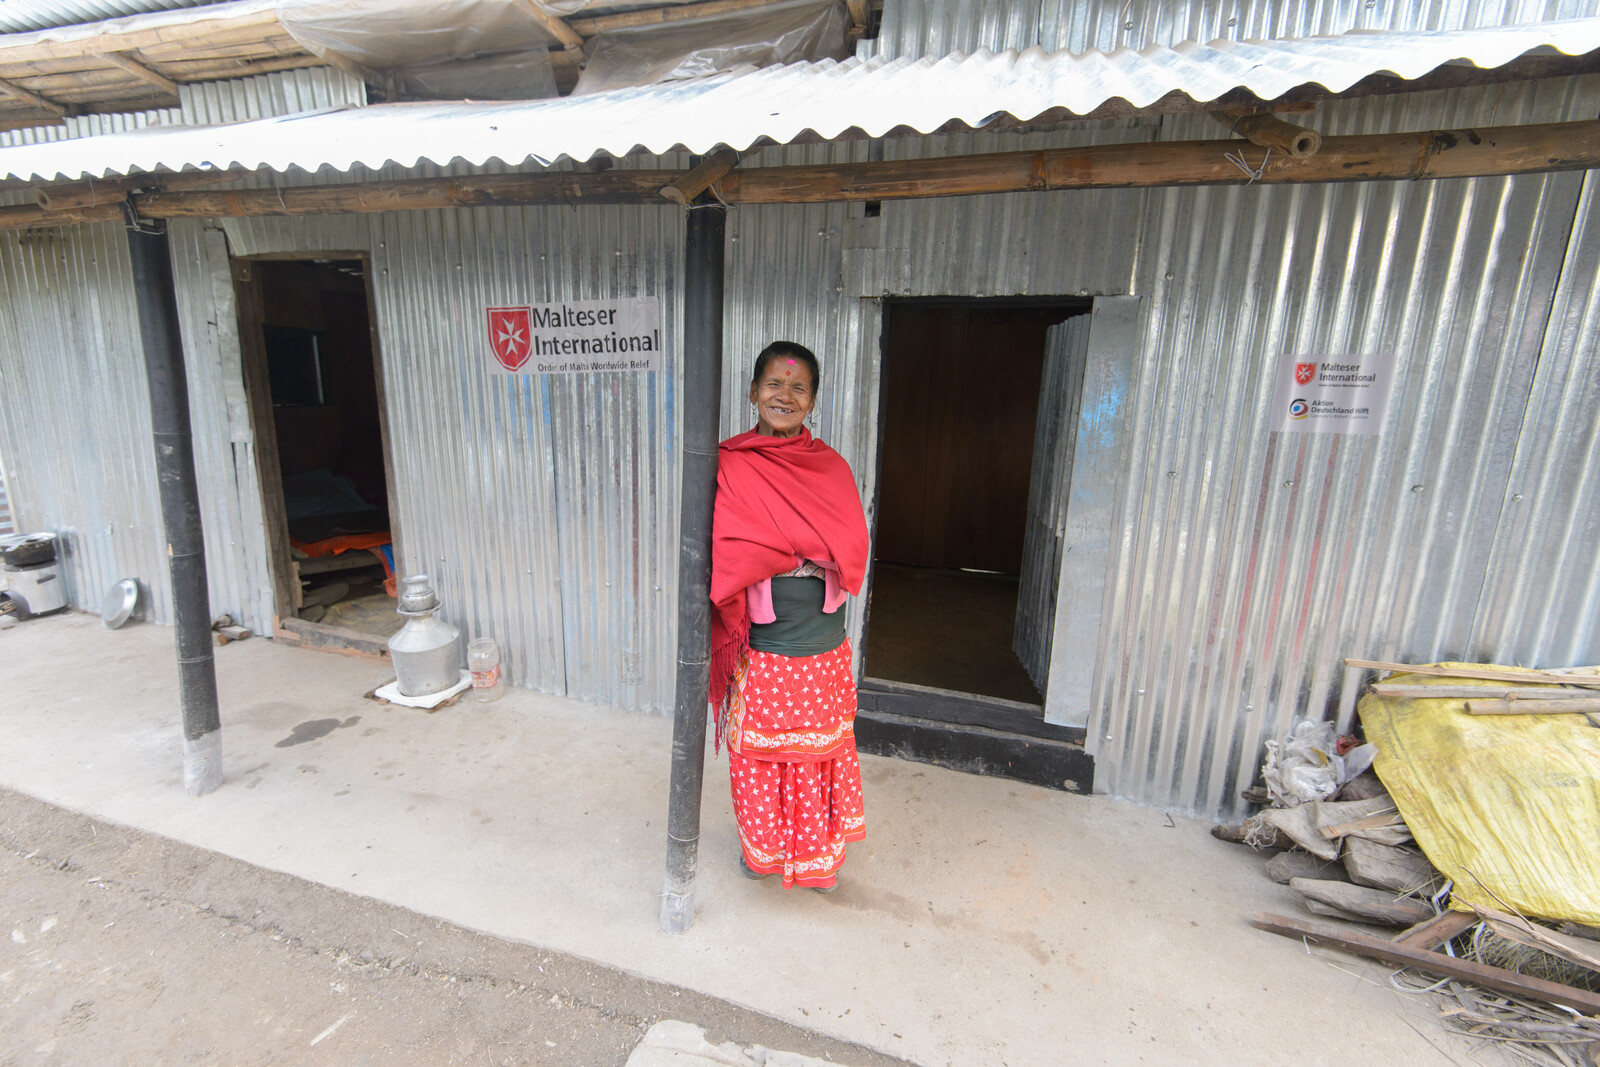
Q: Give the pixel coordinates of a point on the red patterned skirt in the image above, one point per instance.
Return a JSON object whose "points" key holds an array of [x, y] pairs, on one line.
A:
{"points": [[792, 764]]}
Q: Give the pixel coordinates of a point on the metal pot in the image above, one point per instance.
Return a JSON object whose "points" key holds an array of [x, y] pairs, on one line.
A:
{"points": [[427, 650]]}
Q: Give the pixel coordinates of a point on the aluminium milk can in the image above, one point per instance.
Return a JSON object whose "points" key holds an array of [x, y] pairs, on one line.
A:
{"points": [[426, 651]]}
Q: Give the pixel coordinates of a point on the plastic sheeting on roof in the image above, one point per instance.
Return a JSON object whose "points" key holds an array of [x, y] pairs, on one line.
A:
{"points": [[741, 108]]}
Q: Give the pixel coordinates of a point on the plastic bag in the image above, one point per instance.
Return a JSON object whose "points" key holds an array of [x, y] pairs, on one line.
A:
{"points": [[764, 36], [1306, 765]]}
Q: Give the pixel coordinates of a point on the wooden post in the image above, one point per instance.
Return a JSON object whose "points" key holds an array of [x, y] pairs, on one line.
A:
{"points": [[1269, 131]]}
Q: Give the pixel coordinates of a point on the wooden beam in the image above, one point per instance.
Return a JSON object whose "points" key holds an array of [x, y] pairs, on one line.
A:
{"points": [[1403, 955], [703, 176], [1386, 157], [860, 16], [1410, 156], [140, 71], [486, 190], [40, 102], [67, 196], [1485, 674], [556, 27]]}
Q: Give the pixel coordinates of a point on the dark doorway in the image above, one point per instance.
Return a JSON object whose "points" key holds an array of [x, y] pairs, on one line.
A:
{"points": [[961, 397], [959, 420], [317, 408]]}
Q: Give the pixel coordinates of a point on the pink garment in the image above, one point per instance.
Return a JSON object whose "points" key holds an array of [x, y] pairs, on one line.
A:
{"points": [[759, 595]]}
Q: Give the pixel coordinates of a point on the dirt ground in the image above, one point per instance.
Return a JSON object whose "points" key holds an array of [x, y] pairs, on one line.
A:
{"points": [[121, 947]]}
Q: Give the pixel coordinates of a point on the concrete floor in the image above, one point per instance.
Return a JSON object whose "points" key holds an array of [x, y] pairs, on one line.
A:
{"points": [[981, 922]]}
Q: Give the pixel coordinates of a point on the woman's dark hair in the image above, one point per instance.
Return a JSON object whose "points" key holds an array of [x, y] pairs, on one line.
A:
{"points": [[787, 350]]}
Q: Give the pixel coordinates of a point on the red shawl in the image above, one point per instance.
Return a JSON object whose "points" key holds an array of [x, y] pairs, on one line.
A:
{"points": [[779, 500]]}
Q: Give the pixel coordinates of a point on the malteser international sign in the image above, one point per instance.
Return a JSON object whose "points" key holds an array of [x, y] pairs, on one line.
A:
{"points": [[575, 336], [1332, 394]]}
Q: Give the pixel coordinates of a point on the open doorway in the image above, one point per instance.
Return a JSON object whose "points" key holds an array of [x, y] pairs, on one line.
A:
{"points": [[317, 408], [959, 586]]}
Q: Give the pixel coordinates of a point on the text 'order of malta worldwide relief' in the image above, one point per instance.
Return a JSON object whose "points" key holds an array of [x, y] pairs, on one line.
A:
{"points": [[576, 336], [1332, 394]]}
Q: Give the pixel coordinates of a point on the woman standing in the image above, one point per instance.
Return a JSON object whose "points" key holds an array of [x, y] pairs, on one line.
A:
{"points": [[789, 541]]}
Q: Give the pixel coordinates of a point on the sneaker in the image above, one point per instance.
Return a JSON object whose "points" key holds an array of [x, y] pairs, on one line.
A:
{"points": [[744, 869]]}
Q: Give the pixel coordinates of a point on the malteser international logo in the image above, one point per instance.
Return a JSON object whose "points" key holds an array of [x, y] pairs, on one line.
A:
{"points": [[509, 336], [1326, 392]]}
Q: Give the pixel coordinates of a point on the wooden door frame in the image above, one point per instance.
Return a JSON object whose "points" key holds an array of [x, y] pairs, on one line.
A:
{"points": [[258, 389]]}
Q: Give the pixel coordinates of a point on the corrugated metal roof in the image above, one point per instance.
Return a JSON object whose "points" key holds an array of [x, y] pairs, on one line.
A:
{"points": [[741, 108], [19, 15], [83, 19]]}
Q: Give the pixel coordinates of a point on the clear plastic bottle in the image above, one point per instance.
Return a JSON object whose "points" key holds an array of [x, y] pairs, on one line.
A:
{"points": [[483, 660]]}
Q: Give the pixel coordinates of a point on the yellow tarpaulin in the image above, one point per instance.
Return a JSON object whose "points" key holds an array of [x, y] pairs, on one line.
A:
{"points": [[1512, 799]]}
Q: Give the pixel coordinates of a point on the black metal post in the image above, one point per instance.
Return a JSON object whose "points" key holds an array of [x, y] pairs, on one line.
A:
{"points": [[700, 404], [180, 507]]}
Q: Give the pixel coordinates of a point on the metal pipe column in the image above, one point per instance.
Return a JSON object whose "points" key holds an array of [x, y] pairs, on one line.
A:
{"points": [[180, 507], [701, 405]]}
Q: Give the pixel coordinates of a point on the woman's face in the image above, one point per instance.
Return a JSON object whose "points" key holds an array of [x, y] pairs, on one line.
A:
{"points": [[783, 396]]}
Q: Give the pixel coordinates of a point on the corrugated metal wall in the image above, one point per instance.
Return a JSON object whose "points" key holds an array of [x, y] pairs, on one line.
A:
{"points": [[1249, 564], [1540, 599], [75, 430], [917, 28], [79, 449], [1054, 441], [545, 506]]}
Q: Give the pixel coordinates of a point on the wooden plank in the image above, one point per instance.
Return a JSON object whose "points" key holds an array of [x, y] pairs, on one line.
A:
{"points": [[1374, 905], [1399, 870], [1481, 673], [1432, 962], [140, 71], [1431, 933], [1533, 707], [337, 639], [344, 561], [1518, 929], [1287, 866], [269, 474], [1473, 692], [42, 103]]}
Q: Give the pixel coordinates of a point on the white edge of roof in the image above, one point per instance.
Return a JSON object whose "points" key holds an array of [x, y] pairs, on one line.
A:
{"points": [[578, 128]]}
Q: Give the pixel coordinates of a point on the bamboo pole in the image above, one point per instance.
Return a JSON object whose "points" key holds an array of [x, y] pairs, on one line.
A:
{"points": [[71, 195], [1269, 131], [1391, 157], [1380, 157], [486, 190], [700, 178]]}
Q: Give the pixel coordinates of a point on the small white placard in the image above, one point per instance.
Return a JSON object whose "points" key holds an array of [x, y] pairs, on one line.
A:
{"points": [[1332, 394], [576, 336]]}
